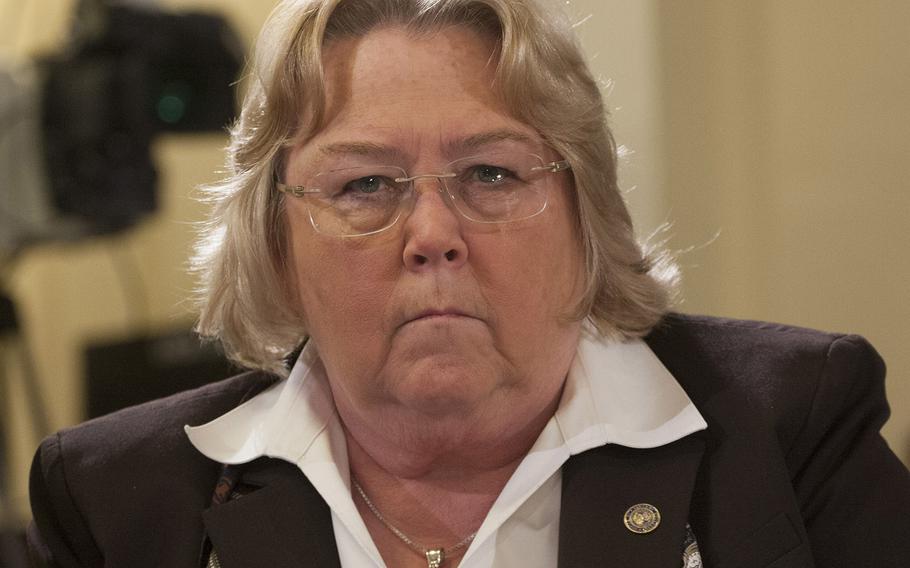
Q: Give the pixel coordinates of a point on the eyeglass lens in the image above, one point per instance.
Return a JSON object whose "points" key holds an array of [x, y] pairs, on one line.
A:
{"points": [[489, 188]]}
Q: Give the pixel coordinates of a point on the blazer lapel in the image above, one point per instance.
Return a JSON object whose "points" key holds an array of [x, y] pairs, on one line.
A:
{"points": [[281, 523], [600, 485]]}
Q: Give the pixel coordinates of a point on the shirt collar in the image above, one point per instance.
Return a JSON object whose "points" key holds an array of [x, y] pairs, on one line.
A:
{"points": [[616, 392], [620, 393], [283, 421]]}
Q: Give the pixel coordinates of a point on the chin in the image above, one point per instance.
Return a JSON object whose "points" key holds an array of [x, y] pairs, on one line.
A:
{"points": [[446, 387]]}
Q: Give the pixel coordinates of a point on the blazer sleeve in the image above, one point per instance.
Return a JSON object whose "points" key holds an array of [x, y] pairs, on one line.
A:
{"points": [[853, 491], [58, 536]]}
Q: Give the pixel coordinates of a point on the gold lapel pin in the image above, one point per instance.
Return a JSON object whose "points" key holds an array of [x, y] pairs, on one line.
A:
{"points": [[641, 518]]}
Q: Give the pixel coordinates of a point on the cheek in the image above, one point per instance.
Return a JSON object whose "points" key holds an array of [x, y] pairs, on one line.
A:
{"points": [[533, 274], [340, 286]]}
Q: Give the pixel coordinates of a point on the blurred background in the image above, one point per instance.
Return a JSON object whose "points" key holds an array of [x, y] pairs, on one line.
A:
{"points": [[772, 136]]}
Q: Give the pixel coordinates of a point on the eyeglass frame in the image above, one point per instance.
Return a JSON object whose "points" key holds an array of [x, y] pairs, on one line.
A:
{"points": [[300, 191]]}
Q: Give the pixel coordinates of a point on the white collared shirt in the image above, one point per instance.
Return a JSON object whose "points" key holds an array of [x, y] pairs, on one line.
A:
{"points": [[615, 393]]}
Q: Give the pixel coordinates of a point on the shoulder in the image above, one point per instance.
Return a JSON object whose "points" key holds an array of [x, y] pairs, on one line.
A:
{"points": [[745, 338], [785, 372], [810, 401], [759, 353], [157, 426], [99, 485]]}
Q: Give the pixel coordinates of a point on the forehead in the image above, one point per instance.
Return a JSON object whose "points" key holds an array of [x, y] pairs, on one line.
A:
{"points": [[393, 87], [392, 57]]}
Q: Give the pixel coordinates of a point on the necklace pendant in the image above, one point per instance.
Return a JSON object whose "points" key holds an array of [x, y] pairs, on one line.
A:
{"points": [[435, 557]]}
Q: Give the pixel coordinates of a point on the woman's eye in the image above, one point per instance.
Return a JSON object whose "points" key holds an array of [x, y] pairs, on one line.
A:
{"points": [[492, 174], [368, 184]]}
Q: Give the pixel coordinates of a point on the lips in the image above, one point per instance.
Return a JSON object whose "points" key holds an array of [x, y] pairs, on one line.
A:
{"points": [[437, 313]]}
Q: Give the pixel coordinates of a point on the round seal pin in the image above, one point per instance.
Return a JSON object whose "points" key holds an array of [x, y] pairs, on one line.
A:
{"points": [[641, 518]]}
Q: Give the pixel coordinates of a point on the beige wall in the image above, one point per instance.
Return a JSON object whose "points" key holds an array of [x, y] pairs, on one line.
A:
{"points": [[624, 53], [768, 121], [787, 136]]}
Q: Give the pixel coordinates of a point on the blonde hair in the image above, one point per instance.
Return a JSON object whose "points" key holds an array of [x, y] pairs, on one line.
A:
{"points": [[245, 294]]}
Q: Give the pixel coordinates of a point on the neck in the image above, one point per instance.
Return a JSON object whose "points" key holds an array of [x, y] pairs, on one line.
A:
{"points": [[436, 510], [443, 494], [437, 492], [435, 554], [473, 439]]}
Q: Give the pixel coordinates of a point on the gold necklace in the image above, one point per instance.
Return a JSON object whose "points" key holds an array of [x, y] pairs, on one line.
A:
{"points": [[435, 556]]}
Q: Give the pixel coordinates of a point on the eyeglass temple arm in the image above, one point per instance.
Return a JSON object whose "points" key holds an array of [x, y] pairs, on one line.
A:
{"points": [[295, 190], [557, 166]]}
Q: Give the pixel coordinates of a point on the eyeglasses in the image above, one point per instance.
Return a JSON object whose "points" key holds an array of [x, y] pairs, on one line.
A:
{"points": [[489, 188]]}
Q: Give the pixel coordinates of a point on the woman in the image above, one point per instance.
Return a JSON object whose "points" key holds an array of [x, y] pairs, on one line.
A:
{"points": [[423, 195]]}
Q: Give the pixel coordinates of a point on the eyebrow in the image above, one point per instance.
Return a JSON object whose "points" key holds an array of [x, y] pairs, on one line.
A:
{"points": [[456, 147], [359, 149], [477, 141]]}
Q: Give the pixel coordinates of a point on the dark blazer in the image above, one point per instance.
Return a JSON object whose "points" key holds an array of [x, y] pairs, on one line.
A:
{"points": [[791, 470]]}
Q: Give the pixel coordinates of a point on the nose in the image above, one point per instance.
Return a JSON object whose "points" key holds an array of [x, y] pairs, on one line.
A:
{"points": [[433, 237]]}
